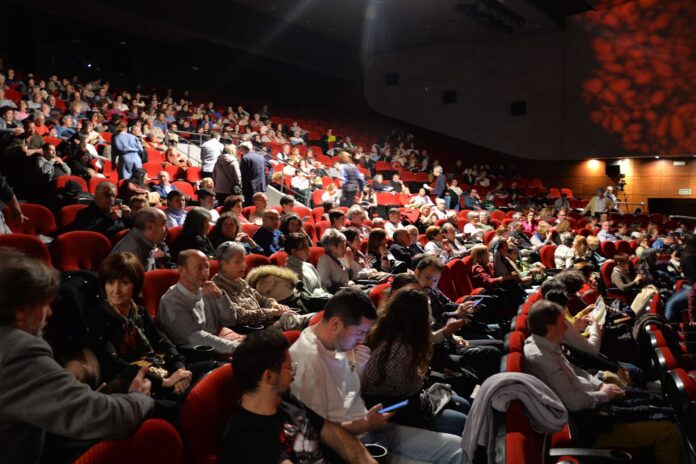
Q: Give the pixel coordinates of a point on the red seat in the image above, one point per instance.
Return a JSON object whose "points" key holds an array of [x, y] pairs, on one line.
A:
{"points": [[309, 228], [119, 235], [208, 408], [28, 244], [514, 342], [41, 220], [303, 212], [68, 213], [378, 293], [62, 180], [314, 254], [554, 193], [316, 198], [316, 318], [154, 155], [155, 441], [608, 249], [446, 285], [387, 199], [546, 252], [184, 187], [173, 171], [253, 260], [622, 246], [568, 192], [157, 282], [173, 234], [152, 168], [292, 335], [320, 227], [80, 249], [250, 229], [279, 258], [193, 174]]}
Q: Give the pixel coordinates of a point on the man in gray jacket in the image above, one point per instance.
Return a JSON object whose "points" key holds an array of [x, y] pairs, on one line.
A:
{"points": [[149, 230], [38, 396]]}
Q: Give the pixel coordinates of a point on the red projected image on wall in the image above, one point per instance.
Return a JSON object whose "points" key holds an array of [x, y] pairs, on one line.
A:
{"points": [[643, 90]]}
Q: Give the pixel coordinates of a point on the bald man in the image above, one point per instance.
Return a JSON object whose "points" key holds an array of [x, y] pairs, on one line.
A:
{"points": [[195, 311]]}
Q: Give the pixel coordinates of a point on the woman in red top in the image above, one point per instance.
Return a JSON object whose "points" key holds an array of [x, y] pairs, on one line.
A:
{"points": [[506, 288]]}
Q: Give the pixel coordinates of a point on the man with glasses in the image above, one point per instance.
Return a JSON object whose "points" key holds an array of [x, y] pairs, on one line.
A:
{"points": [[103, 215], [270, 425]]}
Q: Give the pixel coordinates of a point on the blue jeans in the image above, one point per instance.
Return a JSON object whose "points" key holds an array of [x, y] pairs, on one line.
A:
{"points": [[127, 164], [409, 444], [453, 417], [677, 303]]}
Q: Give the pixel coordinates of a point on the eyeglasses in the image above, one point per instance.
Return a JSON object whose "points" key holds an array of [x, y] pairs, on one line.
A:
{"points": [[292, 368]]}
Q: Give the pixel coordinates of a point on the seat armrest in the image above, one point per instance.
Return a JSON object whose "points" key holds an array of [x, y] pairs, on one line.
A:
{"points": [[590, 456]]}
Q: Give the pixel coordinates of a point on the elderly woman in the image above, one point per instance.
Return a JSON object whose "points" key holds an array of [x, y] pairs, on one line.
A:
{"points": [[234, 204], [332, 272], [194, 234], [297, 249], [354, 259], [123, 335], [253, 309], [228, 229], [435, 245]]}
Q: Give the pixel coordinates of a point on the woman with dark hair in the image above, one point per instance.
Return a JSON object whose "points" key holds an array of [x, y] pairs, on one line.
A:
{"points": [[378, 256], [124, 337], [234, 203], [136, 185], [292, 224], [356, 261], [194, 234], [228, 229], [402, 346]]}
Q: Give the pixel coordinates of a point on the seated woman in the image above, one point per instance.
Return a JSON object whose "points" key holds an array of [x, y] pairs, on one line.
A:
{"points": [[504, 264], [331, 195], [594, 256], [588, 293], [356, 261], [194, 235], [253, 309], [332, 272], [176, 158], [506, 288], [124, 337], [427, 217], [313, 293], [542, 236], [136, 185], [401, 344], [228, 229], [292, 224], [378, 256], [435, 245], [234, 203], [622, 278]]}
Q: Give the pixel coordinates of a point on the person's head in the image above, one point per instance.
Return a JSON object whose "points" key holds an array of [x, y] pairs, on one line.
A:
{"points": [[334, 243], [105, 196], [270, 220], [550, 284], [557, 296], [592, 242], [440, 204], [337, 218], [197, 222], [345, 157], [413, 232], [176, 200], [433, 233], [121, 276], [231, 257], [29, 308], [402, 237], [234, 203], [586, 269], [405, 280], [260, 201], [194, 269], [377, 242], [355, 215], [572, 279], [479, 255], [473, 217], [347, 319], [296, 245], [649, 258], [605, 226], [290, 224], [562, 215], [483, 217], [152, 223], [163, 178], [428, 270], [566, 239], [546, 319], [580, 245], [206, 198], [262, 364], [227, 226], [449, 231], [287, 203], [404, 319], [622, 262], [353, 240]]}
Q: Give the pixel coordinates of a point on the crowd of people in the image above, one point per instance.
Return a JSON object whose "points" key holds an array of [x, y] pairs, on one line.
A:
{"points": [[320, 398]]}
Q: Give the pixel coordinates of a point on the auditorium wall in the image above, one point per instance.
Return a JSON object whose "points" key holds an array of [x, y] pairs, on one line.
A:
{"points": [[613, 83]]}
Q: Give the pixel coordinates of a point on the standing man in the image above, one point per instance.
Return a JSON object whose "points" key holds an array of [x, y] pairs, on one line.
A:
{"points": [[353, 181], [127, 151], [253, 170], [210, 152]]}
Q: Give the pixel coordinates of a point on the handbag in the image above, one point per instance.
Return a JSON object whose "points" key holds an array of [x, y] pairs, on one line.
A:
{"points": [[433, 400]]}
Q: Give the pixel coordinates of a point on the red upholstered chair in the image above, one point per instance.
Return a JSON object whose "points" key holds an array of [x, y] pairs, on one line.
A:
{"points": [[316, 318], [193, 174], [608, 249], [208, 407], [155, 441], [292, 335], [379, 292], [184, 187], [68, 213], [173, 234], [279, 258], [173, 171], [303, 212], [153, 169], [254, 260], [250, 229], [514, 342], [62, 180], [461, 279], [446, 285], [119, 235], [309, 228], [546, 253], [623, 246], [28, 244], [41, 220], [314, 254], [320, 227], [156, 283], [81, 249]]}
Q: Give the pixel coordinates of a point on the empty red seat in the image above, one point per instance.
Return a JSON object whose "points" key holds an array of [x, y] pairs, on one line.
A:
{"points": [[40, 220], [250, 229], [184, 187], [155, 284], [28, 244], [314, 254], [80, 249], [193, 174], [279, 258], [608, 249]]}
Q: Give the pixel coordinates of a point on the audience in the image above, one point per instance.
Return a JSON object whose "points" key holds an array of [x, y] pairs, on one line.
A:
{"points": [[268, 237], [103, 215]]}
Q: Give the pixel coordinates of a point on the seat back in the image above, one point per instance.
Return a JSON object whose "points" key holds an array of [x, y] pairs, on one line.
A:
{"points": [[446, 285], [279, 258], [605, 271], [28, 244], [155, 284], [80, 250], [40, 220], [253, 260], [623, 246], [155, 441], [546, 252], [208, 408], [608, 249], [172, 235], [314, 254], [62, 180], [378, 293], [68, 213], [184, 187]]}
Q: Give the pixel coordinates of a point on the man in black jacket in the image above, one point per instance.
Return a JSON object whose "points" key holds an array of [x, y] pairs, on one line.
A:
{"points": [[103, 215], [401, 247]]}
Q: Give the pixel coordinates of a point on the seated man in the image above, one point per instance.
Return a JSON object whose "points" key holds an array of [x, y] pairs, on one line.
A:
{"points": [[103, 215], [605, 235], [268, 236], [270, 425], [49, 165], [164, 186], [337, 218], [401, 247], [331, 361], [287, 203], [356, 219], [394, 222], [473, 230], [38, 396], [579, 391], [206, 198], [175, 212], [196, 311], [149, 230]]}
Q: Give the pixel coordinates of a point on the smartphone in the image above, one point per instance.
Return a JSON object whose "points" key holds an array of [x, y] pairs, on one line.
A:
{"points": [[393, 407]]}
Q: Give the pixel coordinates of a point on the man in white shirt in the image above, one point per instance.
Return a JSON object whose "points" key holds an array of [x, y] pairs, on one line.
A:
{"points": [[394, 222], [210, 152], [473, 231], [564, 255], [331, 361], [605, 234]]}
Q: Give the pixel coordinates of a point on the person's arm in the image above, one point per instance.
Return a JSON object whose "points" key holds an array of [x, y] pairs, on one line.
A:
{"points": [[346, 445], [225, 309], [36, 390]]}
